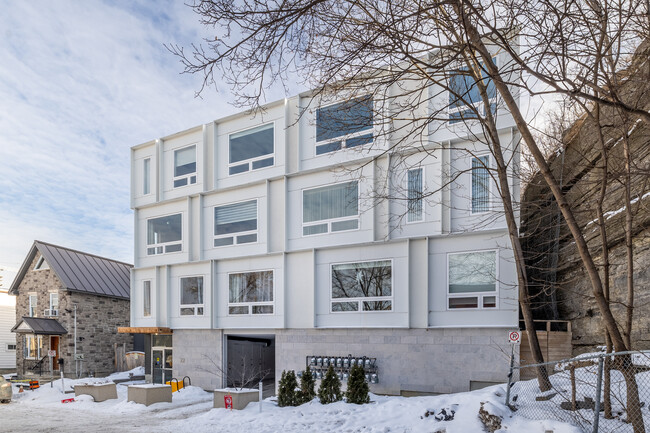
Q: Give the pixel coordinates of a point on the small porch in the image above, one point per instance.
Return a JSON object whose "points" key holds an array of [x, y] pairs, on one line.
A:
{"points": [[38, 346]]}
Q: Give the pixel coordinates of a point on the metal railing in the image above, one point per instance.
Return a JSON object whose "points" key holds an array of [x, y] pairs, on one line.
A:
{"points": [[596, 393]]}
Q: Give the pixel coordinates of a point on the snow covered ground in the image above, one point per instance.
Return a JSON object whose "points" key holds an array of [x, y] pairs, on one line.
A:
{"points": [[191, 411]]}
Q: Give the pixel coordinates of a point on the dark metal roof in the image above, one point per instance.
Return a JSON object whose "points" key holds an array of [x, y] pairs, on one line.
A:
{"points": [[81, 272], [39, 326]]}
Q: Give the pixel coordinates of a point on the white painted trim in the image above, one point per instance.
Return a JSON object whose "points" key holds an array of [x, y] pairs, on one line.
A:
{"points": [[359, 300], [195, 306], [478, 295], [251, 304], [331, 220]]}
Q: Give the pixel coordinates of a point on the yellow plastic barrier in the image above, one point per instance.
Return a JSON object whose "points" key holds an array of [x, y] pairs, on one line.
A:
{"points": [[175, 385]]}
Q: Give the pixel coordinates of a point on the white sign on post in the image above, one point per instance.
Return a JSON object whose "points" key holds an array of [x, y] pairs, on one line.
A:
{"points": [[514, 337], [51, 353]]}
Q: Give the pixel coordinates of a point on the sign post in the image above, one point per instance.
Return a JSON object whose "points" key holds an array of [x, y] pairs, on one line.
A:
{"points": [[51, 354], [514, 338]]}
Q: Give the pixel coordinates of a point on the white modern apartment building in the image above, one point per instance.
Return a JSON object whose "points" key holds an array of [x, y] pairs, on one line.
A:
{"points": [[261, 241]]}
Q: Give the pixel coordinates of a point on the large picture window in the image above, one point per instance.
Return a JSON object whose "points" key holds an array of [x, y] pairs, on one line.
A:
{"points": [[250, 293], [472, 280], [415, 195], [365, 286], [251, 149], [33, 347], [465, 98], [480, 184], [331, 208], [164, 234], [191, 296], [185, 166], [235, 223], [344, 125]]}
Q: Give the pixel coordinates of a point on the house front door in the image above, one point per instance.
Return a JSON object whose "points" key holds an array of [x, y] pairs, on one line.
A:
{"points": [[54, 345]]}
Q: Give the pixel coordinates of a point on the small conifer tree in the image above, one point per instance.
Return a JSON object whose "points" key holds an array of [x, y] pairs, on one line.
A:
{"points": [[357, 392], [287, 395], [330, 388], [307, 383]]}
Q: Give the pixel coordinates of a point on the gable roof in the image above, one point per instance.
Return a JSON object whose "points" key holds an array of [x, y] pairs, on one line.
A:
{"points": [[39, 326], [80, 272]]}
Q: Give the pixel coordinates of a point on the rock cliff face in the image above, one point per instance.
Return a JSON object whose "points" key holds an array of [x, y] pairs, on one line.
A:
{"points": [[555, 270]]}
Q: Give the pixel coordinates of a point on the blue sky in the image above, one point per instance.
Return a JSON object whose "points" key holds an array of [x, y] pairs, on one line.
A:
{"points": [[80, 83]]}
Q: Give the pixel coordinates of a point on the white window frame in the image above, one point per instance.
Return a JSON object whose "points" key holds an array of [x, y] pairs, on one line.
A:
{"points": [[250, 161], [360, 300], [191, 177], [331, 220], [343, 138], [478, 106], [144, 299], [194, 306], [162, 245], [39, 264], [32, 307], [52, 312], [422, 217], [39, 346], [250, 305], [146, 176], [471, 185], [478, 295], [9, 348], [237, 234]]}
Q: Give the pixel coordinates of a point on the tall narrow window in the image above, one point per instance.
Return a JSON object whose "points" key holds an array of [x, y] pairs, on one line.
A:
{"points": [[192, 296], [235, 223], [164, 234], [54, 305], [146, 298], [343, 125], [415, 191], [472, 279], [146, 176], [480, 184], [250, 293], [330, 208], [251, 149], [184, 166], [33, 303], [365, 286]]}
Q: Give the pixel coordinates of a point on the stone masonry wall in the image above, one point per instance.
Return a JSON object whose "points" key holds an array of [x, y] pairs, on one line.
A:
{"points": [[97, 320]]}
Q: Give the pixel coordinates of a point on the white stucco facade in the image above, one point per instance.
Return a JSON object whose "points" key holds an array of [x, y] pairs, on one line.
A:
{"points": [[303, 313], [7, 338]]}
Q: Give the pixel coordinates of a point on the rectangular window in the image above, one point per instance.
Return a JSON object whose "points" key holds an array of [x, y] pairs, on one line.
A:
{"points": [[365, 286], [415, 191], [33, 303], [344, 125], [251, 149], [11, 347], [235, 223], [33, 347], [480, 184], [146, 298], [164, 234], [191, 296], [185, 166], [54, 306], [146, 176], [472, 280], [464, 96], [330, 208], [250, 293]]}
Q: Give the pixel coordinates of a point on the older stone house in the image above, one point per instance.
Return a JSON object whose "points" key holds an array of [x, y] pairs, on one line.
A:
{"points": [[63, 293]]}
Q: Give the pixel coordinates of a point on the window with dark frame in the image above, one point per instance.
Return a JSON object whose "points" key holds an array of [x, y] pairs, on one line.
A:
{"points": [[344, 125]]}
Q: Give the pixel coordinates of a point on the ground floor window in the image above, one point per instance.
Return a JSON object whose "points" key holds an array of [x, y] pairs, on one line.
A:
{"points": [[472, 280], [364, 286], [33, 347], [250, 293]]}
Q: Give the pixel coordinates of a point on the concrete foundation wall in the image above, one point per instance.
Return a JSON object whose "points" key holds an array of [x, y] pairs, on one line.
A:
{"points": [[198, 354]]}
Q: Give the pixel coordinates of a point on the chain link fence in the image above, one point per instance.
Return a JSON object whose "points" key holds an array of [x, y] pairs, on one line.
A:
{"points": [[595, 393]]}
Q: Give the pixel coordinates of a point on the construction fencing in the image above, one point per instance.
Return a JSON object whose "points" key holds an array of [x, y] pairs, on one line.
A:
{"points": [[595, 393]]}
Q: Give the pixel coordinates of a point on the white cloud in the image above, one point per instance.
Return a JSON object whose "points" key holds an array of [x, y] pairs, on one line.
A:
{"points": [[80, 83]]}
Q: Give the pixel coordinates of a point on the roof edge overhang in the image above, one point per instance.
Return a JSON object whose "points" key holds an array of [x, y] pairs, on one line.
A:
{"points": [[144, 330]]}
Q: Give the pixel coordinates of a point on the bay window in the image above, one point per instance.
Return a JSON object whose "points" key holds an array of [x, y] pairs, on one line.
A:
{"points": [[472, 280], [330, 208], [251, 149], [364, 286], [164, 234], [344, 125], [191, 296], [235, 223], [250, 293]]}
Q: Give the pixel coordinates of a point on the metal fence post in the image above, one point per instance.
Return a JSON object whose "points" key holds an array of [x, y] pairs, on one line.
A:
{"points": [[599, 385], [511, 374]]}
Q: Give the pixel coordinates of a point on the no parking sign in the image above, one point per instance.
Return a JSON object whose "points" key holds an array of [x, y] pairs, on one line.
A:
{"points": [[514, 337], [228, 401]]}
